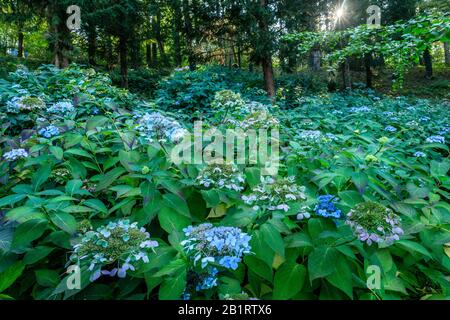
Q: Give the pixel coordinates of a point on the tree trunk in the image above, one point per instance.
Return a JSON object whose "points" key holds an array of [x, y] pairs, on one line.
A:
{"points": [[154, 54], [266, 59], [269, 84], [92, 46], [188, 35], [176, 34], [368, 64], [428, 64], [148, 55], [346, 77], [20, 45], [123, 52], [315, 60], [447, 53]]}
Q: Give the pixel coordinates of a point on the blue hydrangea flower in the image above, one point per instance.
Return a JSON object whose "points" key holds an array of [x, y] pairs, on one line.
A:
{"points": [[49, 132], [15, 154], [420, 154], [210, 248], [390, 129], [436, 139], [120, 245], [327, 207]]}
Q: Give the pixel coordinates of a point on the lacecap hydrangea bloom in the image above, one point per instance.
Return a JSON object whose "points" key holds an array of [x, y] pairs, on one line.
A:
{"points": [[221, 176], [327, 207], [157, 126], [25, 103], [390, 129], [436, 139], [49, 132], [274, 195], [113, 249], [15, 154], [373, 223], [310, 136], [257, 119], [420, 154], [210, 249], [61, 108]]}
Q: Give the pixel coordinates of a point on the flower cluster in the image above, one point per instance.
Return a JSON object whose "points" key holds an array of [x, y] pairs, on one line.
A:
{"points": [[275, 195], [61, 108], [362, 109], [257, 119], [310, 136], [390, 129], [155, 125], [210, 248], [327, 207], [374, 223], [436, 139], [49, 132], [115, 248], [222, 176], [15, 154], [420, 154], [25, 103]]}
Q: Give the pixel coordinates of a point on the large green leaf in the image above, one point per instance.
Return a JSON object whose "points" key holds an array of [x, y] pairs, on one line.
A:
{"points": [[288, 280]]}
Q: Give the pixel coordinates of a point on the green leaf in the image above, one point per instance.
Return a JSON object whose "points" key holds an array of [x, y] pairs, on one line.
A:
{"points": [[58, 152], [361, 181], [298, 240], [414, 247], [259, 267], [10, 275], [41, 176], [107, 179], [288, 280], [272, 238], [47, 278], [341, 278], [439, 169], [171, 220], [64, 221], [96, 204], [9, 200], [36, 254], [177, 203], [22, 214], [28, 232], [172, 288], [322, 262]]}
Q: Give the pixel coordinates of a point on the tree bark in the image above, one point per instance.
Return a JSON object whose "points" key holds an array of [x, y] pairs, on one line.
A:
{"points": [[148, 55], [92, 47], [123, 52], [176, 34], [447, 53], [427, 59], [368, 65], [20, 45], [189, 35], [266, 59], [346, 77]]}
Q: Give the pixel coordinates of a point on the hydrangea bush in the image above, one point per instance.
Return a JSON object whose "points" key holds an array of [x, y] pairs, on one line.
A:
{"points": [[86, 175]]}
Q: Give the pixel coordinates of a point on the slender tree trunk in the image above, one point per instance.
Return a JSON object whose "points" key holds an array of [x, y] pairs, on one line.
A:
{"points": [[447, 53], [123, 52], [154, 54], [92, 46], [148, 55], [428, 64], [20, 45], [178, 28], [266, 59], [189, 35], [346, 77], [368, 64]]}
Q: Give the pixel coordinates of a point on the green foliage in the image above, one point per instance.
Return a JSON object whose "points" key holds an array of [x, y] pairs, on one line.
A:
{"points": [[99, 169]]}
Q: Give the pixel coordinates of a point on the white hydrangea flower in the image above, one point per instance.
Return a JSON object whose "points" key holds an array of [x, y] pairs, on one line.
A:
{"points": [[15, 154]]}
